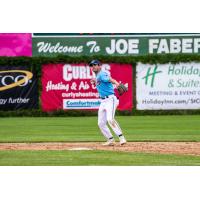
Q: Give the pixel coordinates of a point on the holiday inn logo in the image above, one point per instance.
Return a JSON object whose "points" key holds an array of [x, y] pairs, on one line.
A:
{"points": [[150, 75]]}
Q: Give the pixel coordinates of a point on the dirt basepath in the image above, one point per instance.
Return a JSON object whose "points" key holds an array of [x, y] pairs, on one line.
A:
{"points": [[183, 148]]}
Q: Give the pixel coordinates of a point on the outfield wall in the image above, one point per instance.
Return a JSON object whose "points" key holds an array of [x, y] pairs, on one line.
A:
{"points": [[158, 77]]}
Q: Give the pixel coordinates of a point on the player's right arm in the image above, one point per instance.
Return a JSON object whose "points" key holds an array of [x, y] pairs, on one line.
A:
{"points": [[93, 81]]}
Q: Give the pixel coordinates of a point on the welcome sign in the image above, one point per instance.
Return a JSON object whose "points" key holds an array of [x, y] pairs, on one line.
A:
{"points": [[131, 44], [168, 86]]}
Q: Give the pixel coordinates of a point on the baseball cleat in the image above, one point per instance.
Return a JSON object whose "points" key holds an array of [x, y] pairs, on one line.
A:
{"points": [[109, 143], [122, 140]]}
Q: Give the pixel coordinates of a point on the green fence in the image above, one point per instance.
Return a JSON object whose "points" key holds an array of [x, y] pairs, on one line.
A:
{"points": [[35, 63]]}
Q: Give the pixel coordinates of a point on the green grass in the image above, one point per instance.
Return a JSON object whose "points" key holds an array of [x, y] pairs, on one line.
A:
{"points": [[63, 129], [93, 158], [72, 129]]}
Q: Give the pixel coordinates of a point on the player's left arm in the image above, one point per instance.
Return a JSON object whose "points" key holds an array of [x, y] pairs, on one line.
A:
{"points": [[107, 78], [113, 81]]}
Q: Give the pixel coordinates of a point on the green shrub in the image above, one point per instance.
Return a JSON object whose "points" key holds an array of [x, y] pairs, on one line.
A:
{"points": [[35, 63]]}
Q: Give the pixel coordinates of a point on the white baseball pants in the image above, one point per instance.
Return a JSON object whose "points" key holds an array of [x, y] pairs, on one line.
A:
{"points": [[106, 115]]}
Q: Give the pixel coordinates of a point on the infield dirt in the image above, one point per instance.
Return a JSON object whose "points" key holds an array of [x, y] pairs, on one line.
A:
{"points": [[179, 148]]}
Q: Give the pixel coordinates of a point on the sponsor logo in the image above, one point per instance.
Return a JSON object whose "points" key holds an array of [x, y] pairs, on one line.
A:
{"points": [[8, 81], [151, 75], [81, 103], [76, 72], [80, 72], [184, 69]]}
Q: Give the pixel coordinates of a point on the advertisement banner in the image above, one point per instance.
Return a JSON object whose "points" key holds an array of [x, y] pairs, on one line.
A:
{"points": [[15, 44], [131, 44], [168, 86], [67, 86], [18, 88]]}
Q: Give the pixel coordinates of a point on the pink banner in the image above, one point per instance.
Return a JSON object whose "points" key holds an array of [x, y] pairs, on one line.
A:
{"points": [[67, 86], [15, 44]]}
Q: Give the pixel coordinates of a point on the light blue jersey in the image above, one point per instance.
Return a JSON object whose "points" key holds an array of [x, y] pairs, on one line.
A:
{"points": [[104, 87]]}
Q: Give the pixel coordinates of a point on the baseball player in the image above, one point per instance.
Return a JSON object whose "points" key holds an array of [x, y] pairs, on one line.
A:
{"points": [[109, 102]]}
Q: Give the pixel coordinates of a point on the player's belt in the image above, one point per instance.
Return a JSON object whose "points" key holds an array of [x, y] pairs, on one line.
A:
{"points": [[107, 96], [104, 97]]}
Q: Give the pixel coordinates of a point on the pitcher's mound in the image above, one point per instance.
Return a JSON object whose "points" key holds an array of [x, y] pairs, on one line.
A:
{"points": [[80, 149]]}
